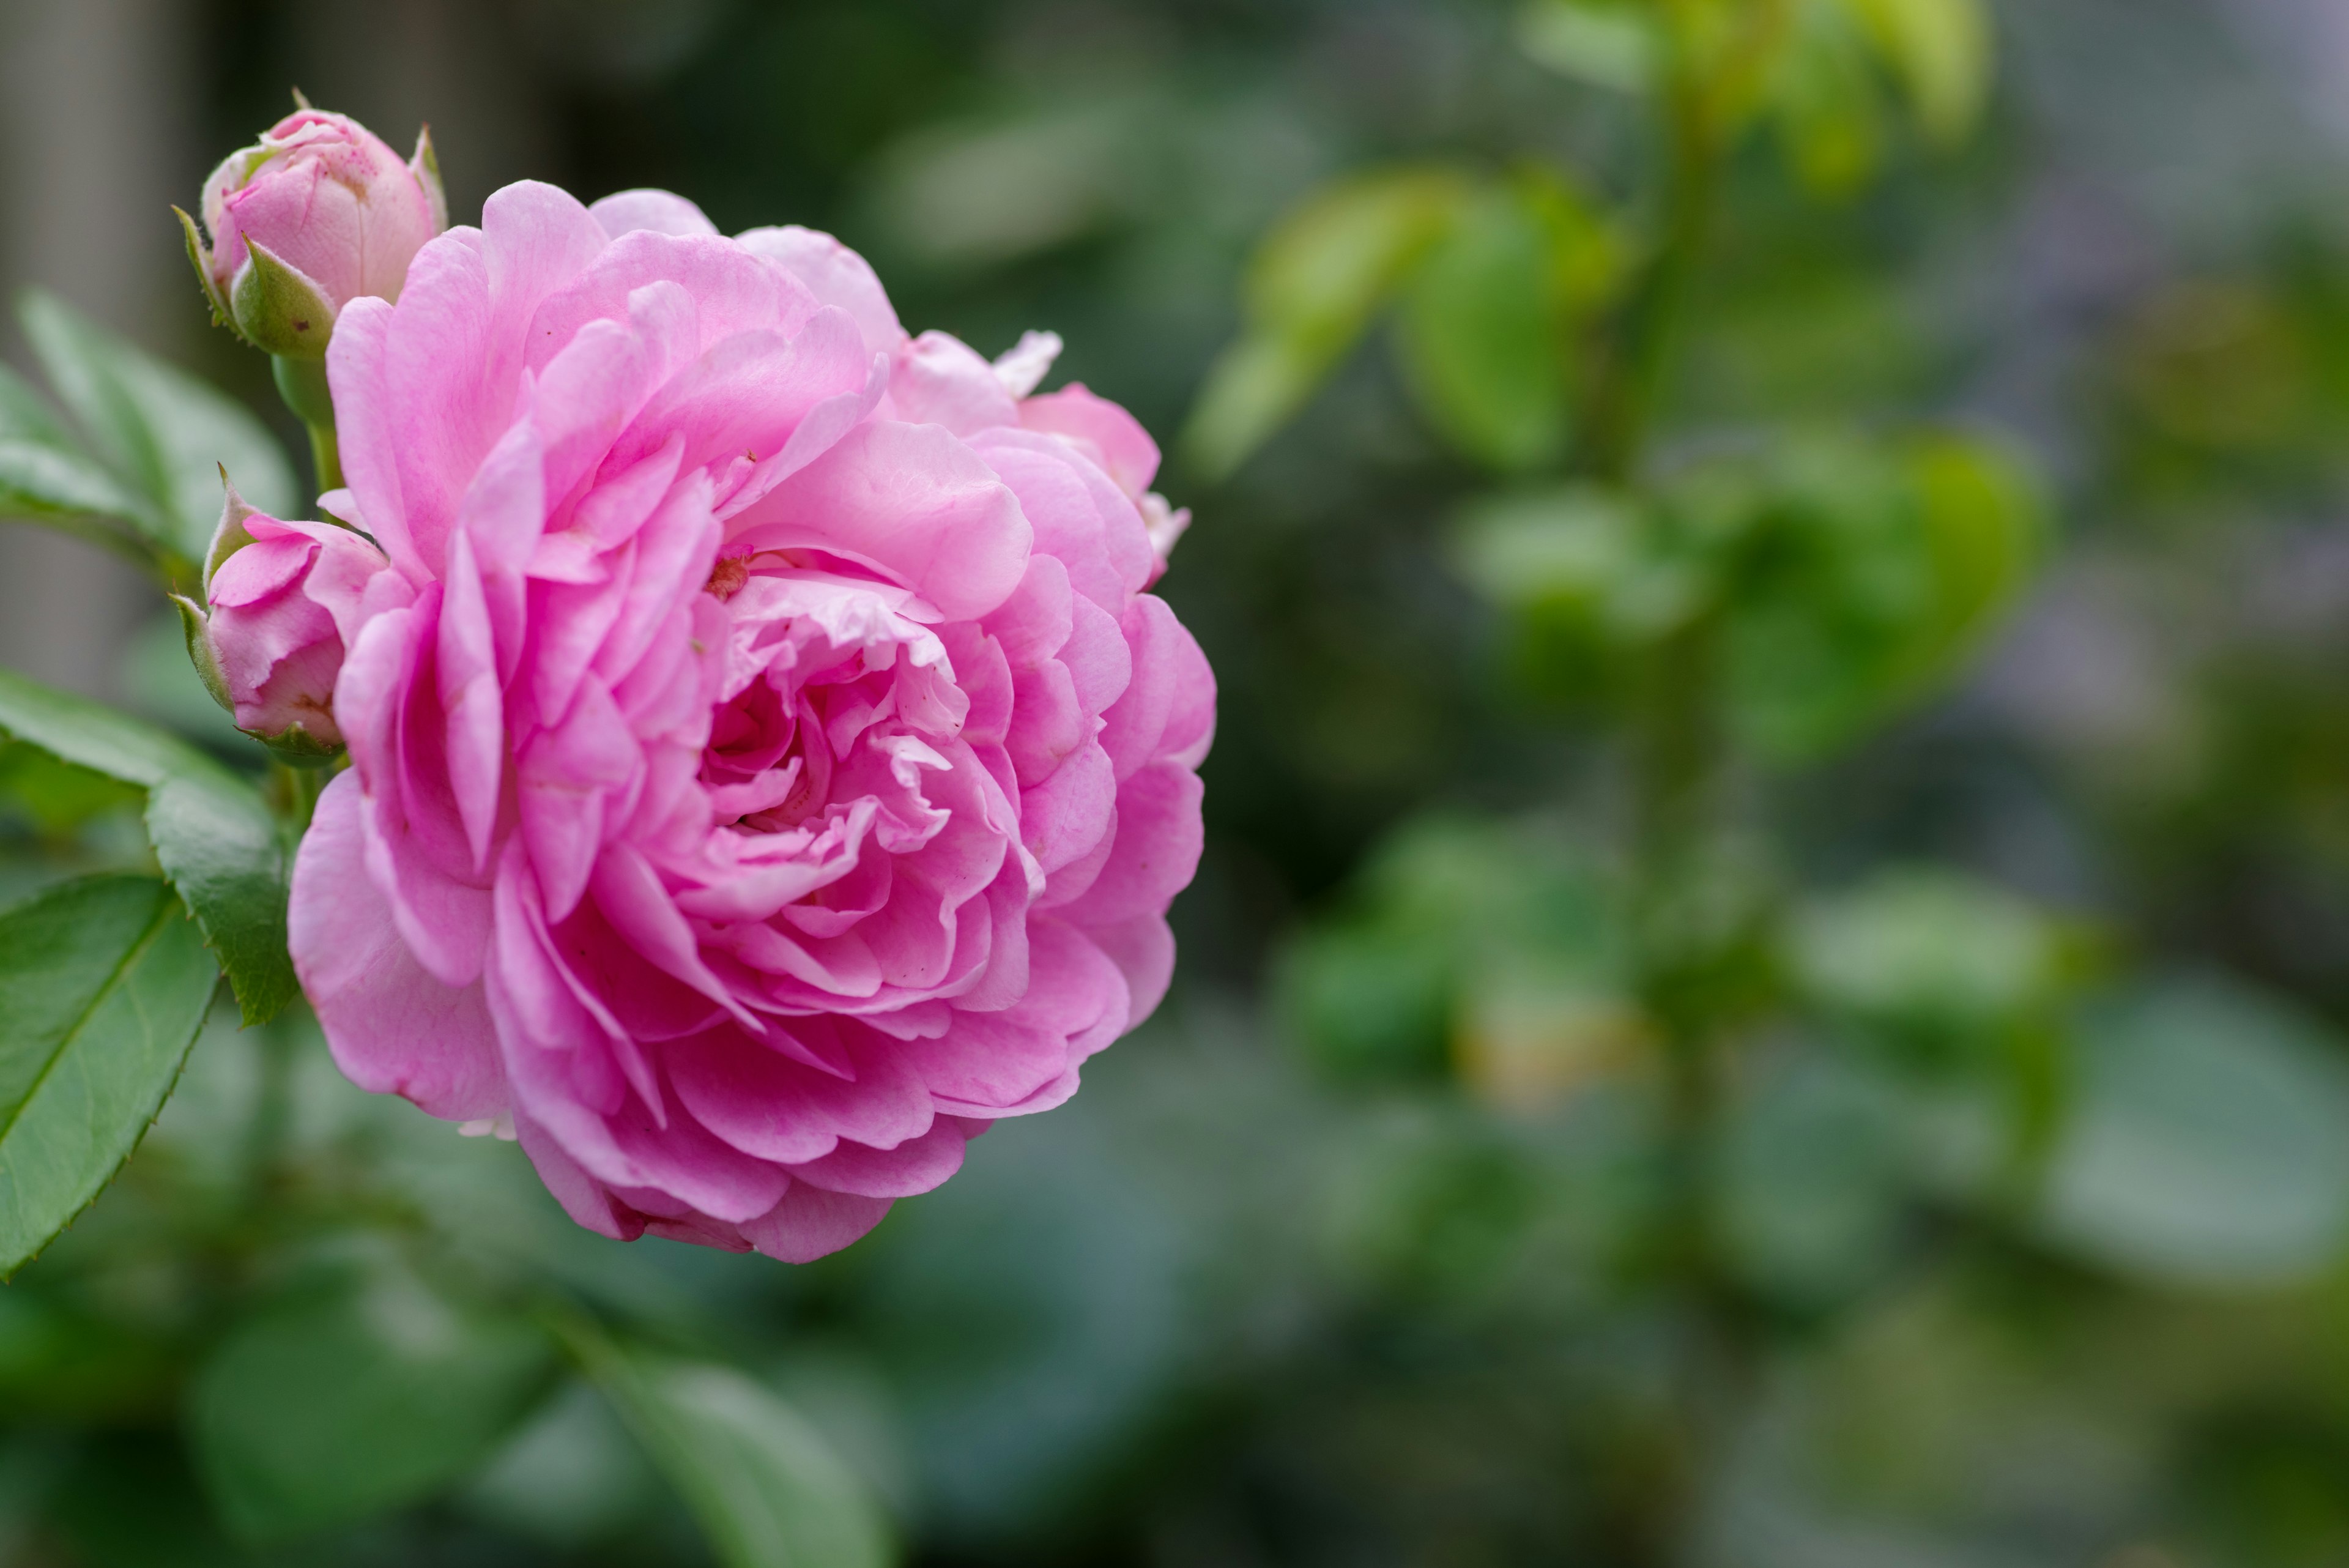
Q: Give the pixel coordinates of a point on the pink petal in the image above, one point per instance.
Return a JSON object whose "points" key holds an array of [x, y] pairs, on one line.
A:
{"points": [[810, 1222], [908, 501], [392, 1027], [917, 1164], [835, 275], [657, 210]]}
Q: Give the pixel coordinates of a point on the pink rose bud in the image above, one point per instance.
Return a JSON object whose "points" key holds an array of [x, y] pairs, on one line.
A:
{"points": [[283, 600], [317, 213]]}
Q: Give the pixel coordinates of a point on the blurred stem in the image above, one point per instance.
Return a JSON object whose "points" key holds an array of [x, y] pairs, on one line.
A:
{"points": [[1677, 760], [1631, 376]]}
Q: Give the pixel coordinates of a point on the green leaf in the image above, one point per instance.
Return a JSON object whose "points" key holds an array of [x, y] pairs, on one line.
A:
{"points": [[166, 433], [346, 1402], [1607, 45], [214, 837], [103, 987], [56, 795], [1937, 963], [768, 1491], [42, 481], [1942, 50], [1485, 335], [1986, 525], [2210, 1141], [1815, 1181], [1826, 103], [1874, 572], [1311, 292], [46, 478]]}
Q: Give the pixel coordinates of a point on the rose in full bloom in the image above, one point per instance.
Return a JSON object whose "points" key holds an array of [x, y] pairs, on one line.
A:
{"points": [[317, 213], [767, 765], [281, 611]]}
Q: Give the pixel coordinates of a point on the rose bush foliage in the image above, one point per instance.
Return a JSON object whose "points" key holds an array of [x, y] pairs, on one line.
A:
{"points": [[768, 766]]}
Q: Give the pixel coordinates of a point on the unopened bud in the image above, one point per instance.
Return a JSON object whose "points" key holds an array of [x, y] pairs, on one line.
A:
{"points": [[282, 602], [315, 214]]}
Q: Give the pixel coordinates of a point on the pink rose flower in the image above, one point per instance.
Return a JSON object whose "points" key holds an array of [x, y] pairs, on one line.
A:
{"points": [[331, 203], [282, 609], [780, 771]]}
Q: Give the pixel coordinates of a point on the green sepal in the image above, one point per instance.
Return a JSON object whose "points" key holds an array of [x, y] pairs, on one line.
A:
{"points": [[200, 257], [425, 167], [278, 308], [230, 536], [296, 747], [195, 626]]}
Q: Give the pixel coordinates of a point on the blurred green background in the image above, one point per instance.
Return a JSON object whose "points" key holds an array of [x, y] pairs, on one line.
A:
{"points": [[2013, 1226]]}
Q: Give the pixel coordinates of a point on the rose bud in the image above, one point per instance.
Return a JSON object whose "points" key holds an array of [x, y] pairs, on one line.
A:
{"points": [[283, 601], [318, 213]]}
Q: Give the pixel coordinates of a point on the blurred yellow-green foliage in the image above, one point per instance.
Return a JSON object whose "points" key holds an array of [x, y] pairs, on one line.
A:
{"points": [[1770, 984]]}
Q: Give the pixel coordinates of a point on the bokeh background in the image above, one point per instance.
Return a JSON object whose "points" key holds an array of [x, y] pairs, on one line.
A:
{"points": [[1328, 1264]]}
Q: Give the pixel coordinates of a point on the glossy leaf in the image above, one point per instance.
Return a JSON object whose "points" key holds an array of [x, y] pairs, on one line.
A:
{"points": [[1942, 50], [165, 433], [103, 987], [767, 1490], [1312, 290], [1483, 334], [362, 1397], [213, 836], [2210, 1141]]}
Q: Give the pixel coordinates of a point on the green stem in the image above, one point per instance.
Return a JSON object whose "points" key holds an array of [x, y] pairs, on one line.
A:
{"points": [[302, 384], [295, 791], [1631, 379], [1678, 764], [325, 458]]}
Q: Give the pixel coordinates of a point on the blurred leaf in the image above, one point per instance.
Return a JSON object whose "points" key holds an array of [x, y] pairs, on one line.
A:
{"points": [[1824, 98], [1986, 525], [60, 1364], [129, 1501], [57, 795], [1310, 291], [1937, 963], [46, 478], [1491, 946], [1873, 572], [215, 838], [165, 432], [1607, 45], [2209, 1144], [1370, 1003], [982, 194], [767, 1490], [1591, 553], [1483, 334], [103, 987], [1815, 1182], [570, 1475], [346, 1402], [1942, 51]]}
